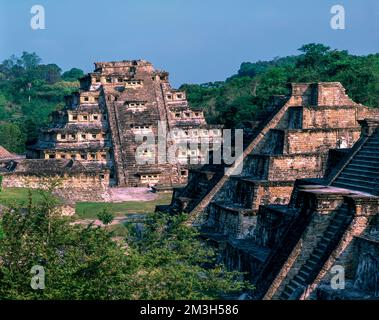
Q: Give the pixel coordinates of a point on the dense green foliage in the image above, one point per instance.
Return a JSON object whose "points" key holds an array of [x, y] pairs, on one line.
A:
{"points": [[105, 216], [175, 264], [29, 92], [166, 261], [242, 96], [72, 75]]}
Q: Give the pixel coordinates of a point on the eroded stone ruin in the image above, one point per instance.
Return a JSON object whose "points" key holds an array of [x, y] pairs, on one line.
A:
{"points": [[306, 203], [304, 208], [92, 145]]}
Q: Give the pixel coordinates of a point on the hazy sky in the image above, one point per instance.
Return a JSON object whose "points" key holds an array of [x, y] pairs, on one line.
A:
{"points": [[195, 40]]}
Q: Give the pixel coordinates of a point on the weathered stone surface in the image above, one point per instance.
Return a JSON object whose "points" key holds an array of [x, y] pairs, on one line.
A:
{"points": [[306, 230], [99, 126]]}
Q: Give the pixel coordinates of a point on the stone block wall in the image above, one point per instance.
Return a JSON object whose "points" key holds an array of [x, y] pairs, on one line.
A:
{"points": [[273, 193], [272, 222], [332, 94], [321, 140], [240, 255], [83, 187], [225, 221], [296, 166], [329, 117]]}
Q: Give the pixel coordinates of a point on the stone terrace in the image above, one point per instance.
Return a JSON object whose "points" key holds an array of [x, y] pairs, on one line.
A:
{"points": [[99, 125], [287, 239]]}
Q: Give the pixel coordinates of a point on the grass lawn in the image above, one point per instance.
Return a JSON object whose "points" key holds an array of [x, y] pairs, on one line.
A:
{"points": [[86, 210], [89, 210], [19, 196]]}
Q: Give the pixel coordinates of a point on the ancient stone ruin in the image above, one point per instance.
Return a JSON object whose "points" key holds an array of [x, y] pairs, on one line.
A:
{"points": [[303, 211], [6, 156], [92, 142], [305, 207]]}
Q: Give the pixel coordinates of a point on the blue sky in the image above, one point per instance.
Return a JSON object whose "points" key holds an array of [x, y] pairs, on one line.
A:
{"points": [[195, 40]]}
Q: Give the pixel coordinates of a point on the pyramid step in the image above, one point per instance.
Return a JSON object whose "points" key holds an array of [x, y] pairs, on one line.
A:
{"points": [[314, 258], [371, 144], [368, 153], [357, 181], [318, 251], [359, 176], [368, 148], [352, 186], [307, 268], [370, 158], [366, 166], [327, 239], [301, 279], [339, 219], [297, 284], [364, 160], [291, 286], [234, 207], [287, 292], [304, 275], [340, 215], [329, 234], [371, 148], [361, 171], [323, 245], [335, 227], [284, 296], [310, 266]]}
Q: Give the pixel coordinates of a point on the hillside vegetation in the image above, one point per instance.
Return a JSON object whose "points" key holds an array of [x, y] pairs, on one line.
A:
{"points": [[242, 96], [30, 90]]}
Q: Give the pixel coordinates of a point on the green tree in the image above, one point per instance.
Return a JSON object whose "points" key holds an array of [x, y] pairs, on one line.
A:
{"points": [[29, 92], [174, 263], [79, 262], [30, 60], [167, 261], [11, 137], [50, 73], [72, 75], [105, 216], [313, 55]]}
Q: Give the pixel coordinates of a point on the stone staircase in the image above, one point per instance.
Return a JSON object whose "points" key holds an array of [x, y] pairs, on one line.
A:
{"points": [[307, 273], [116, 140], [202, 181], [362, 172]]}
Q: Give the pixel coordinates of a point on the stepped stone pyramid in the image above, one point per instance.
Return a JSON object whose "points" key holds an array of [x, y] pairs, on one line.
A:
{"points": [[95, 133], [361, 173], [330, 224], [307, 199], [292, 143]]}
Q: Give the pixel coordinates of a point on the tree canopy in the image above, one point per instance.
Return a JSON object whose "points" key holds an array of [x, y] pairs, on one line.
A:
{"points": [[244, 95], [29, 92], [164, 260]]}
